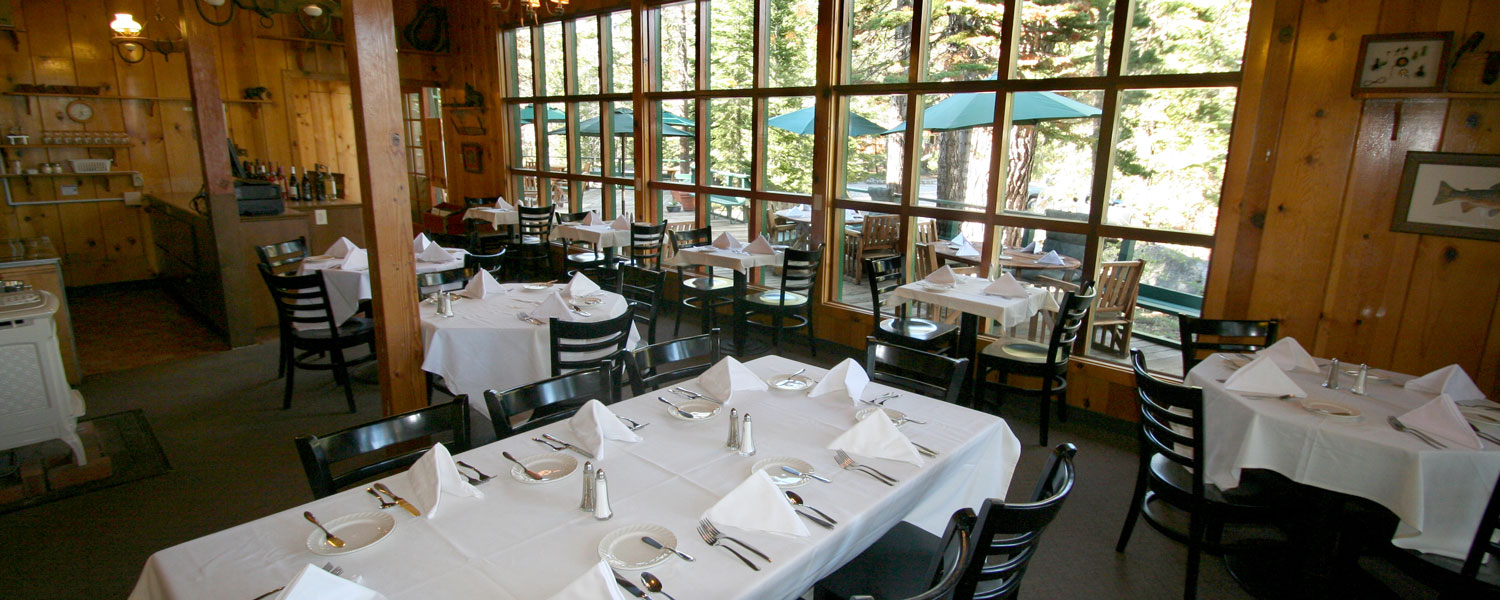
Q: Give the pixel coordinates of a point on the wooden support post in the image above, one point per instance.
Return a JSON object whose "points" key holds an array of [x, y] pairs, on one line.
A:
{"points": [[223, 210], [371, 51]]}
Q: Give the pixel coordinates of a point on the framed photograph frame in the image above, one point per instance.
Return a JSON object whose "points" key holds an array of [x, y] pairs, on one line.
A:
{"points": [[1449, 194], [1393, 63], [473, 157]]}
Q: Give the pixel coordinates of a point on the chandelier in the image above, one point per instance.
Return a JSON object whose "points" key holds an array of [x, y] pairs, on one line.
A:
{"points": [[131, 40], [531, 8], [316, 16]]}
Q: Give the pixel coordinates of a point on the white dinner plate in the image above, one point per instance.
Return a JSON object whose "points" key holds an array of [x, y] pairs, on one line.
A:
{"points": [[552, 467], [895, 415], [359, 531], [783, 479], [588, 300], [623, 548], [934, 287], [700, 409], [537, 286], [792, 383], [1332, 410]]}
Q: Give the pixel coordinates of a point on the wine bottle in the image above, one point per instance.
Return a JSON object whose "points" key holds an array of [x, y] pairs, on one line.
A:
{"points": [[291, 186]]}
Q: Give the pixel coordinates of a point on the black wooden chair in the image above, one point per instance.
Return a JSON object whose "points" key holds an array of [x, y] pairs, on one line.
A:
{"points": [[885, 275], [944, 565], [1171, 470], [530, 251], [494, 263], [1202, 337], [1005, 539], [925, 373], [580, 256], [381, 447], [643, 289], [451, 280], [586, 344], [285, 257], [799, 282], [551, 399], [647, 242], [303, 299], [657, 365], [697, 286], [1049, 363]]}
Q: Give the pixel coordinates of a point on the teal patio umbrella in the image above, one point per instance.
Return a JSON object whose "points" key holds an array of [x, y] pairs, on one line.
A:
{"points": [[961, 111], [672, 119], [801, 121], [528, 114], [624, 125]]}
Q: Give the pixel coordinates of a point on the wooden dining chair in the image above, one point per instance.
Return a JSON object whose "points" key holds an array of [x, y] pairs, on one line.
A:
{"points": [[1171, 470], [1114, 312], [901, 569], [451, 280], [644, 289], [283, 257], [925, 373], [647, 242], [698, 287], [1202, 337], [552, 399], [653, 367], [794, 299], [884, 276], [385, 446], [303, 299], [1047, 363], [585, 344], [531, 250], [878, 238]]}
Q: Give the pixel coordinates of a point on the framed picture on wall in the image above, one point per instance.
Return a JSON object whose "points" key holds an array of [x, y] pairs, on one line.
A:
{"points": [[1403, 62], [1445, 193], [473, 156]]}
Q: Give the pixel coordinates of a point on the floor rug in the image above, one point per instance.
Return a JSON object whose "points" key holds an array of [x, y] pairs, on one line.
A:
{"points": [[125, 438]]}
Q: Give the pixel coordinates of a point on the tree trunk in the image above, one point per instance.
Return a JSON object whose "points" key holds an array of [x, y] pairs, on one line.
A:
{"points": [[1018, 176]]}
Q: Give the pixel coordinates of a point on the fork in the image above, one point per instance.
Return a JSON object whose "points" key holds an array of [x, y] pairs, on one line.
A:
{"points": [[709, 525], [847, 463], [482, 476], [708, 538], [548, 444], [529, 319], [1485, 436], [631, 423]]}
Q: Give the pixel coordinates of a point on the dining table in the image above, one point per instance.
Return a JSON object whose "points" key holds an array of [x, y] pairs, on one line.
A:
{"points": [[739, 261], [1010, 258], [347, 287], [528, 540], [485, 345], [499, 217]]}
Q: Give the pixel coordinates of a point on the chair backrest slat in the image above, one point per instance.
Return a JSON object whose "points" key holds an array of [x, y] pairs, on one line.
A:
{"points": [[884, 275], [1201, 337], [299, 299], [584, 344], [925, 373], [1171, 423], [402, 438], [653, 366], [646, 244], [551, 399], [494, 263], [1008, 533], [283, 257]]}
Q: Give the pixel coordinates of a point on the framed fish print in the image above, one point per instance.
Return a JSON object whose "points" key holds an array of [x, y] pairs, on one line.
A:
{"points": [[1445, 193], [1403, 62]]}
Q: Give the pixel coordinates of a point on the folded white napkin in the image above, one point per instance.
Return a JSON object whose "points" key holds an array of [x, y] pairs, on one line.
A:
{"points": [[1290, 356], [722, 380], [552, 306], [966, 249], [620, 223], [501, 204], [1050, 258], [1032, 248], [592, 218], [580, 285], [594, 423], [959, 240], [434, 475], [341, 248], [1440, 417], [944, 275], [313, 583], [355, 260], [1451, 380], [420, 243], [877, 437], [847, 379], [761, 245], [726, 241], [1263, 377], [756, 504], [483, 285], [598, 583], [435, 254], [1006, 286]]}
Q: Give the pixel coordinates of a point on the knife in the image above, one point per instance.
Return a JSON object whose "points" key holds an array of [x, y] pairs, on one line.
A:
{"points": [[801, 474], [629, 587], [585, 453], [404, 504]]}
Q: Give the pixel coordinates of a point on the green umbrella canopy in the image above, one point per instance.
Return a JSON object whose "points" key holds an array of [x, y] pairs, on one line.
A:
{"points": [[624, 125], [961, 111], [801, 121], [671, 119], [528, 114]]}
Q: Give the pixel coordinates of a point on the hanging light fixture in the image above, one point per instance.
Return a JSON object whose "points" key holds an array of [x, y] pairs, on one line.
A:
{"points": [[131, 40], [531, 8], [316, 16]]}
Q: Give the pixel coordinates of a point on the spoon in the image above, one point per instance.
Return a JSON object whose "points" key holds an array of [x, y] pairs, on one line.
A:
{"points": [[653, 584], [655, 544], [791, 495], [685, 414], [529, 473], [333, 540]]}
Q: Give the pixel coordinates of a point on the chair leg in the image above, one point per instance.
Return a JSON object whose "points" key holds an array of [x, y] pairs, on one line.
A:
{"points": [[1046, 408], [284, 358], [291, 375], [812, 340], [1137, 500], [776, 331], [341, 375], [1195, 552], [1062, 405], [677, 328]]}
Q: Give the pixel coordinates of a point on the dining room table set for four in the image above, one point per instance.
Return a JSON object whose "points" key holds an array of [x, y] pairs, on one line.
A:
{"points": [[595, 230], [502, 214], [643, 484], [730, 253]]}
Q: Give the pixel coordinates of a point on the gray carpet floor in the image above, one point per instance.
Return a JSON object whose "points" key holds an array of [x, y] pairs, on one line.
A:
{"points": [[218, 418]]}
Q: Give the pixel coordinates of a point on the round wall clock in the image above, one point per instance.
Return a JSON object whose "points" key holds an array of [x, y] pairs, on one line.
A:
{"points": [[80, 111]]}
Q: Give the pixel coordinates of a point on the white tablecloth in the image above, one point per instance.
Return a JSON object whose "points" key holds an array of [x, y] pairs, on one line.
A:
{"points": [[968, 296], [1438, 494], [484, 346], [599, 235], [528, 541], [347, 288], [493, 216], [739, 261]]}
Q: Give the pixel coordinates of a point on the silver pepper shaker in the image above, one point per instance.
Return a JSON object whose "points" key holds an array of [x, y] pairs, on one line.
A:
{"points": [[734, 430], [1332, 382], [445, 304], [602, 511], [747, 439], [1359, 380], [587, 505]]}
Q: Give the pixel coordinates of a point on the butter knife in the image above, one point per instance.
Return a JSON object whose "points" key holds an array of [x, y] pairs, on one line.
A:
{"points": [[404, 504], [801, 474], [585, 453], [629, 587]]}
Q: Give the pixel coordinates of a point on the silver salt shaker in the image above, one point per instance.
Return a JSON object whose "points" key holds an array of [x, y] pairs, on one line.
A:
{"points": [[445, 304], [734, 429], [1332, 382], [602, 511], [587, 505], [1359, 380], [747, 439]]}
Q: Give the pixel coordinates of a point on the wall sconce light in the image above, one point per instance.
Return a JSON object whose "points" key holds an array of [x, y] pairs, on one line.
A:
{"points": [[131, 40]]}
